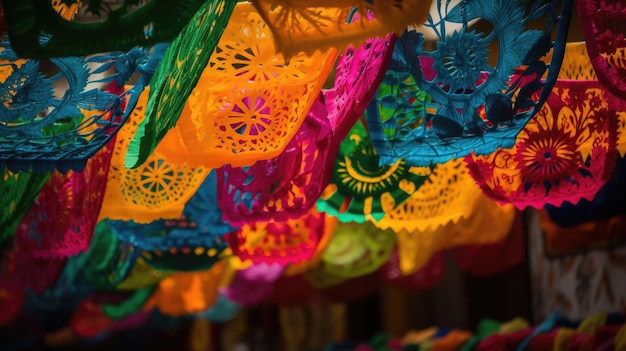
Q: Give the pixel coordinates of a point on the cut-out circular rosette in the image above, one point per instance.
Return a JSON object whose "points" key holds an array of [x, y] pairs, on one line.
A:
{"points": [[442, 103], [250, 101], [201, 219], [191, 242], [159, 188], [360, 188], [288, 185], [604, 27], [56, 114], [284, 187], [565, 153], [177, 75]]}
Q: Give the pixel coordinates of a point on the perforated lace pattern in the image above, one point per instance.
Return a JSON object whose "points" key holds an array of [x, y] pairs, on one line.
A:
{"points": [[198, 226], [56, 114], [446, 196], [282, 243], [578, 66], [566, 153], [176, 76], [300, 25], [360, 188], [62, 220], [444, 121], [288, 186], [284, 187], [303, 266], [604, 27], [358, 74], [250, 101], [158, 189]]}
